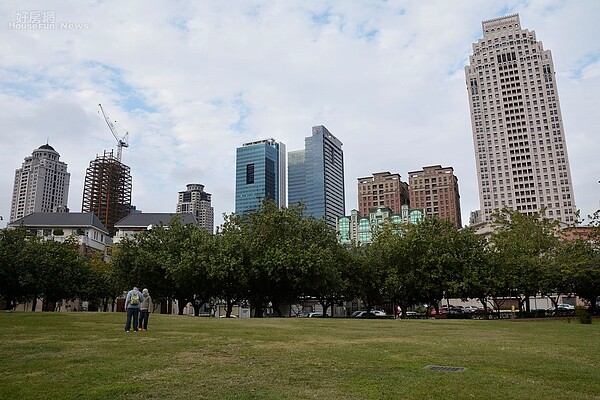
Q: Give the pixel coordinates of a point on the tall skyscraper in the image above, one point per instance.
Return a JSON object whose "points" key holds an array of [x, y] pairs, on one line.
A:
{"points": [[107, 190], [383, 189], [41, 184], [194, 200], [316, 176], [260, 173], [435, 190], [518, 133]]}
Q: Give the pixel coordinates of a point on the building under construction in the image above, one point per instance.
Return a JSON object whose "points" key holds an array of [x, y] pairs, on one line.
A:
{"points": [[107, 190]]}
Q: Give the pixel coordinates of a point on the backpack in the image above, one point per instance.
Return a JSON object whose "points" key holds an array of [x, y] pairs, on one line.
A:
{"points": [[135, 299]]}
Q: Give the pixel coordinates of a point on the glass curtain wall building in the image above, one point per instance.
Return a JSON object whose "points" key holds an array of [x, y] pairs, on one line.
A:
{"points": [[316, 176], [260, 173]]}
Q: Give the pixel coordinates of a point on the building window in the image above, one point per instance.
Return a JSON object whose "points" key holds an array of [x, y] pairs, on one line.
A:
{"points": [[249, 174]]}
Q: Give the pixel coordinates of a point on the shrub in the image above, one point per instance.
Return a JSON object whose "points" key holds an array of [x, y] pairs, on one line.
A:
{"points": [[583, 315]]}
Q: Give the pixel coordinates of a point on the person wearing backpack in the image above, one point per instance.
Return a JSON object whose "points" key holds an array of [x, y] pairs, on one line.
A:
{"points": [[145, 310], [132, 306]]}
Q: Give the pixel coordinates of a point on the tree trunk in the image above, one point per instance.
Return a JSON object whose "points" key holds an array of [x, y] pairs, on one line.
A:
{"points": [[181, 305], [33, 303], [324, 306], [258, 305], [48, 305], [483, 302], [229, 308], [275, 307], [404, 308], [196, 309]]}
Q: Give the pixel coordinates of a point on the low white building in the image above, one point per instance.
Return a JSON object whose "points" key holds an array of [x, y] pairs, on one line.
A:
{"points": [[85, 227], [135, 223]]}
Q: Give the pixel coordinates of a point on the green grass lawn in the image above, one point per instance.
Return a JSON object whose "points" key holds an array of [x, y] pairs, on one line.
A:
{"points": [[89, 356]]}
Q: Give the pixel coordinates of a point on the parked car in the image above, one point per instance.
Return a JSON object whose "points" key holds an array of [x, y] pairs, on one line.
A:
{"points": [[273, 315], [363, 314], [412, 315], [310, 315], [565, 307], [470, 309], [561, 310], [442, 310], [455, 310]]}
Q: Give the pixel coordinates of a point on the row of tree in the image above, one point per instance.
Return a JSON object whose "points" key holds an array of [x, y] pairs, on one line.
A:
{"points": [[275, 256], [32, 268]]}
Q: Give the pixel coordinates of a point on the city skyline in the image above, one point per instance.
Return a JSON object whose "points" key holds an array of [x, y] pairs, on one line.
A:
{"points": [[190, 86]]}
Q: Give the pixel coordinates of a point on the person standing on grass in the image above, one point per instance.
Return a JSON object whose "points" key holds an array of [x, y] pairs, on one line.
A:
{"points": [[145, 310], [132, 306]]}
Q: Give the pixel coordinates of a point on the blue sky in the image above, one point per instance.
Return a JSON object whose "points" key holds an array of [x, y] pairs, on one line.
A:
{"points": [[191, 81]]}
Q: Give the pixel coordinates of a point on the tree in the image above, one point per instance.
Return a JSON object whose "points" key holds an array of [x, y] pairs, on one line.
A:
{"points": [[191, 271], [368, 278], [322, 262], [16, 266], [270, 236], [136, 262], [522, 246], [580, 261], [227, 264], [61, 271], [479, 280], [392, 260], [434, 258], [472, 276], [100, 286]]}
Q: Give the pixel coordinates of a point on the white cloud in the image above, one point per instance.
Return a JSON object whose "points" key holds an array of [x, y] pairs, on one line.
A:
{"points": [[191, 81]]}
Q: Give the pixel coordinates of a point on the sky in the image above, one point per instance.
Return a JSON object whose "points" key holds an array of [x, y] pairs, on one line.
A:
{"points": [[193, 80]]}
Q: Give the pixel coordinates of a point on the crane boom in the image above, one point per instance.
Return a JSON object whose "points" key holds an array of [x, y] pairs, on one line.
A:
{"points": [[122, 141]]}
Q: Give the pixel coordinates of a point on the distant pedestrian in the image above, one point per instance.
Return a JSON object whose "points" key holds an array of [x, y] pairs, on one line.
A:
{"points": [[145, 310], [132, 306]]}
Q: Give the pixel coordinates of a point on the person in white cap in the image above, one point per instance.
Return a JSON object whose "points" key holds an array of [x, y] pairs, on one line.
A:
{"points": [[145, 307]]}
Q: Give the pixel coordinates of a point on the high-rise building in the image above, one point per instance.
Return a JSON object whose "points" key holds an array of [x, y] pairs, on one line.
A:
{"points": [[41, 184], [194, 200], [316, 176], [356, 229], [518, 134], [107, 190], [260, 173], [383, 189], [435, 190]]}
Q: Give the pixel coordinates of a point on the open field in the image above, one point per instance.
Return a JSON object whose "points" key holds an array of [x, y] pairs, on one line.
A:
{"points": [[89, 356]]}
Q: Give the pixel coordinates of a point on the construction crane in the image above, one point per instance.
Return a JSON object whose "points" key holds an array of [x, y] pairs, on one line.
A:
{"points": [[122, 140]]}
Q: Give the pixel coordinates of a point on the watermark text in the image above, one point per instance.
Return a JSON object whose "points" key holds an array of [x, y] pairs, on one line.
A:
{"points": [[39, 20]]}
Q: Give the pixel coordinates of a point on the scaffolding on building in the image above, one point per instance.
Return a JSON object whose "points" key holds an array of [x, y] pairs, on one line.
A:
{"points": [[107, 190]]}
